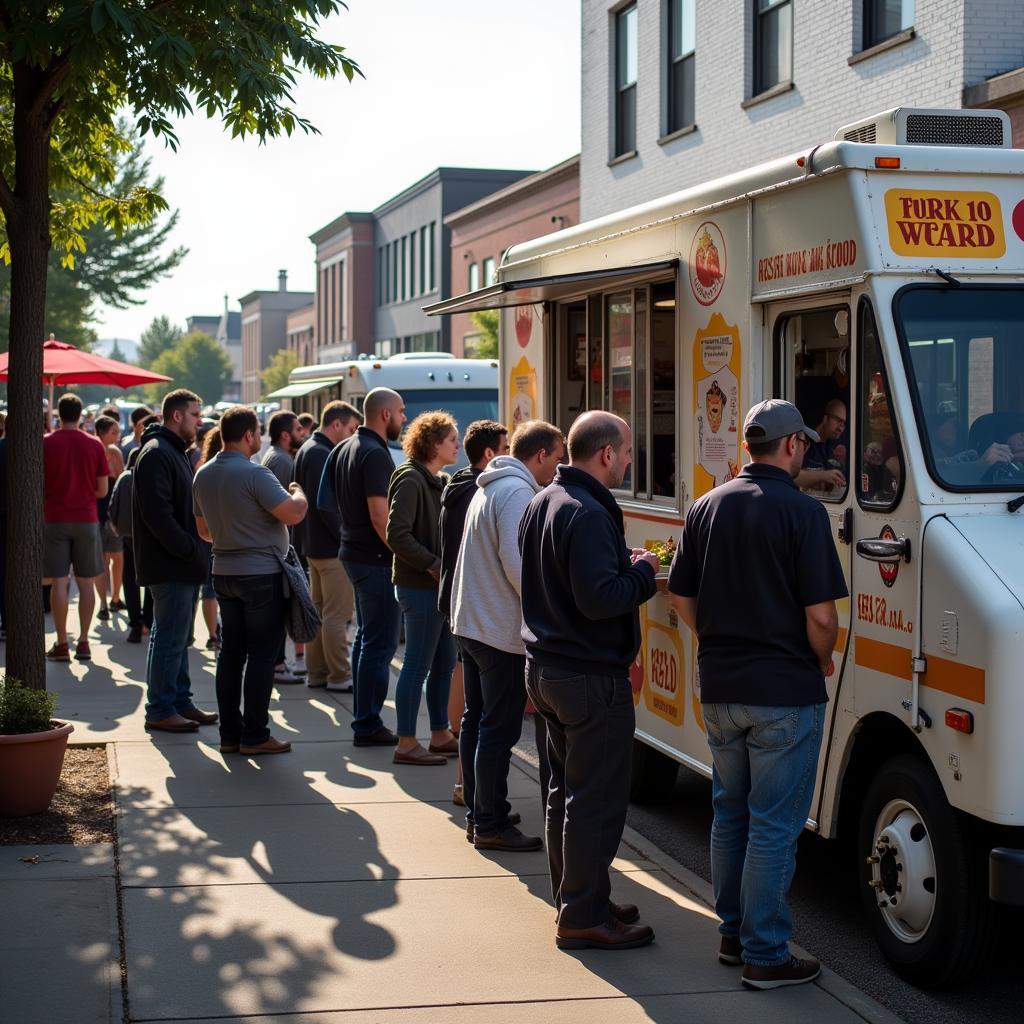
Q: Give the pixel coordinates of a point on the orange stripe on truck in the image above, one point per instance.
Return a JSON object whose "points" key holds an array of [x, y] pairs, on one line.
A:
{"points": [[952, 677], [841, 637]]}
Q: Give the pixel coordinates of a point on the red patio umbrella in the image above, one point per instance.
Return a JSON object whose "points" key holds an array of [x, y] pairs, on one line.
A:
{"points": [[65, 364]]}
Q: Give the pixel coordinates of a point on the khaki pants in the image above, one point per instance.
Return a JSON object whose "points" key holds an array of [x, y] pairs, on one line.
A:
{"points": [[331, 590]]}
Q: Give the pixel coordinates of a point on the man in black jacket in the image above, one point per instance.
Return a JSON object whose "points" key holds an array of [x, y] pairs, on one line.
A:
{"points": [[581, 591], [318, 537], [170, 560]]}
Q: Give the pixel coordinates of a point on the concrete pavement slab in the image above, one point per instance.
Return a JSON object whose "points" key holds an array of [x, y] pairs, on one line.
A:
{"points": [[45, 863], [165, 846], [189, 775], [59, 951], [321, 946], [784, 1006]]}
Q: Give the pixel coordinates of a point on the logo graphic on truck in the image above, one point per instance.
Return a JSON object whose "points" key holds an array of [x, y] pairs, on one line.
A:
{"points": [[707, 263]]}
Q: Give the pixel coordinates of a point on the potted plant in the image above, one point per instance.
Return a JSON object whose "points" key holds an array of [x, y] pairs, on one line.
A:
{"points": [[32, 749]]}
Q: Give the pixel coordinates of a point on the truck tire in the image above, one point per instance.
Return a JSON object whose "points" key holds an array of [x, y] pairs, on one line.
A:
{"points": [[920, 881], [653, 776]]}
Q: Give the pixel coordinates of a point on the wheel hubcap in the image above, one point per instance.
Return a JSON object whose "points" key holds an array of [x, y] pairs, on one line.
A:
{"points": [[903, 870]]}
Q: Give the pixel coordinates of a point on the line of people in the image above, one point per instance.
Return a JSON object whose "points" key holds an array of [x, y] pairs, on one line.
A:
{"points": [[518, 567]]}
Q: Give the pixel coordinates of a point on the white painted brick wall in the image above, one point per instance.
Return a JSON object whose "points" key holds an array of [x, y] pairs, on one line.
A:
{"points": [[929, 71]]}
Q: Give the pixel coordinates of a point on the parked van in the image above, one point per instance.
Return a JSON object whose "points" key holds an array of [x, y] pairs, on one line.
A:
{"points": [[884, 271], [466, 388]]}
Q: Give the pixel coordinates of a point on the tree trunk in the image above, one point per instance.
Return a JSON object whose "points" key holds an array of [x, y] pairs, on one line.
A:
{"points": [[28, 232]]}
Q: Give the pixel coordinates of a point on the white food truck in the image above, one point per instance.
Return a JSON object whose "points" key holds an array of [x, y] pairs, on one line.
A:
{"points": [[884, 270], [467, 388]]}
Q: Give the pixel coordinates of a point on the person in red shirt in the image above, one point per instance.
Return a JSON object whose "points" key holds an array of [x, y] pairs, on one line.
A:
{"points": [[76, 474]]}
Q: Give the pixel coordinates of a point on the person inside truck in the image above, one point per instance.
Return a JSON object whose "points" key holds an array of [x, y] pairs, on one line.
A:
{"points": [[826, 460], [1000, 460]]}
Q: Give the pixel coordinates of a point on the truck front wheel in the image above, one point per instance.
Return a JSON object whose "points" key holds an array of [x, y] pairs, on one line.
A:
{"points": [[920, 884]]}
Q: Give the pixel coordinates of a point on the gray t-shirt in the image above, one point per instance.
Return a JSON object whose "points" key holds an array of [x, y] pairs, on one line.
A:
{"points": [[236, 497], [280, 463]]}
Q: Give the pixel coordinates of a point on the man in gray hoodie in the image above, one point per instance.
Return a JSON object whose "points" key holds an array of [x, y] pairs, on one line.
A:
{"points": [[486, 620]]}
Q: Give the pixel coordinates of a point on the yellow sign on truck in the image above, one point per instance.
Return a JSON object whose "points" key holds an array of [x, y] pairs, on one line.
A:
{"points": [[883, 281]]}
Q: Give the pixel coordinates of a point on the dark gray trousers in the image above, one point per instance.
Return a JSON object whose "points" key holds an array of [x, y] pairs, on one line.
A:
{"points": [[590, 722]]}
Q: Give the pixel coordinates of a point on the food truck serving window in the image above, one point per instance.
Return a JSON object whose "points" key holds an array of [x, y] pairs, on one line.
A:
{"points": [[964, 352], [617, 351]]}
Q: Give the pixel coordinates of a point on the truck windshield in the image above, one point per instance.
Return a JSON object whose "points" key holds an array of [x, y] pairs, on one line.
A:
{"points": [[965, 351]]}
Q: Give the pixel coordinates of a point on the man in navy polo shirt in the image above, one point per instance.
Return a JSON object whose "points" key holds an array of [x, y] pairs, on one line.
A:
{"points": [[756, 577]]}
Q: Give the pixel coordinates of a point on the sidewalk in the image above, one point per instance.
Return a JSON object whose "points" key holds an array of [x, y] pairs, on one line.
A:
{"points": [[327, 885]]}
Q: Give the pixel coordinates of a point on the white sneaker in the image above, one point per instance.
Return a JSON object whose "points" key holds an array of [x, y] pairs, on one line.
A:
{"points": [[283, 674], [345, 686]]}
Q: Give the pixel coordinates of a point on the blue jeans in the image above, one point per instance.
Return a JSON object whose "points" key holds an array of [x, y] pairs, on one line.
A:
{"points": [[495, 683], [168, 685], [429, 656], [762, 784], [252, 628], [377, 623]]}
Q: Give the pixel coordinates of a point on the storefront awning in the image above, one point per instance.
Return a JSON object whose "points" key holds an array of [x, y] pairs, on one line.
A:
{"points": [[545, 289], [303, 387]]}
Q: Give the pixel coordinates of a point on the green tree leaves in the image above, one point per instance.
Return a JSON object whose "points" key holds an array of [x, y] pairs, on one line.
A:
{"points": [[156, 339], [276, 374], [196, 362]]}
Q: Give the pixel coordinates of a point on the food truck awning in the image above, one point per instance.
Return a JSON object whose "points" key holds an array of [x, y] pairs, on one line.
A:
{"points": [[303, 387], [544, 289]]}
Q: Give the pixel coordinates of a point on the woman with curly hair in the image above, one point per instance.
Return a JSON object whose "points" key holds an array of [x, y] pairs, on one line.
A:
{"points": [[413, 533]]}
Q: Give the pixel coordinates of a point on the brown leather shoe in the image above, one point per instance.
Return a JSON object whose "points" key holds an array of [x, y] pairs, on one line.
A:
{"points": [[268, 746], [509, 841], [418, 756], [449, 749], [624, 913], [513, 819], [229, 748], [173, 723], [200, 716], [610, 935], [730, 951], [794, 972]]}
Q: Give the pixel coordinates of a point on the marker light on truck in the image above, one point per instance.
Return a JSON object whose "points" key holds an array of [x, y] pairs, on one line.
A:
{"points": [[962, 721], [887, 163]]}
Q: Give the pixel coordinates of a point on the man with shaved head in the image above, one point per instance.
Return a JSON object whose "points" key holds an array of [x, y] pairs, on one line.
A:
{"points": [[581, 590], [360, 469]]}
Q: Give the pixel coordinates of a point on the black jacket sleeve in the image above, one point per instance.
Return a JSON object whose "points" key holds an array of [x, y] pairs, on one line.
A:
{"points": [[154, 499], [600, 587]]}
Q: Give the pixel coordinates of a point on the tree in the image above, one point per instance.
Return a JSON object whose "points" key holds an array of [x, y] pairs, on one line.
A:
{"points": [[114, 269], [276, 374], [486, 322], [67, 70], [156, 339], [197, 362], [116, 353]]}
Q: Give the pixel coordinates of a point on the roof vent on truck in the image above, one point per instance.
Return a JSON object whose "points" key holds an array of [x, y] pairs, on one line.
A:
{"points": [[912, 126]]}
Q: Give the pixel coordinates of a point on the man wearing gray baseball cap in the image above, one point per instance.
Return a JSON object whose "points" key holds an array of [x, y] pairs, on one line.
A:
{"points": [[756, 577]]}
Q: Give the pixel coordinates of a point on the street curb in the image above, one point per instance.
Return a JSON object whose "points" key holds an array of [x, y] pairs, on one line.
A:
{"points": [[839, 988]]}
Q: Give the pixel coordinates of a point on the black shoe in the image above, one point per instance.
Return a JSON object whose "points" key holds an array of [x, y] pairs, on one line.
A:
{"points": [[795, 972], [511, 841], [513, 819], [730, 951], [134, 635], [380, 738], [103, 615]]}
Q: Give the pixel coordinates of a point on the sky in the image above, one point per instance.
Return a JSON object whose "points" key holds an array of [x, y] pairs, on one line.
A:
{"points": [[475, 83]]}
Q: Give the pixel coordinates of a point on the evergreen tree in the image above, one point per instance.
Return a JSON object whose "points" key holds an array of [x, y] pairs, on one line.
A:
{"points": [[156, 339]]}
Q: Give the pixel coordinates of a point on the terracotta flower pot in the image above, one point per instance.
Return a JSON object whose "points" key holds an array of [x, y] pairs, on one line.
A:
{"points": [[30, 765]]}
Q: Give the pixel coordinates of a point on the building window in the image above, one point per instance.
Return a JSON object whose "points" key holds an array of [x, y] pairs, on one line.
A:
{"points": [[430, 257], [489, 277], [682, 35], [773, 43], [625, 81], [394, 271], [886, 18], [474, 277], [424, 257]]}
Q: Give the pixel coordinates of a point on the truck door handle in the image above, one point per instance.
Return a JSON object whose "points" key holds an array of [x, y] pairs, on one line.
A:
{"points": [[883, 549]]}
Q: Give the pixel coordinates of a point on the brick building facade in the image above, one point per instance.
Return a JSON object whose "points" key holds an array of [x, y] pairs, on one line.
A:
{"points": [[677, 92], [482, 232]]}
